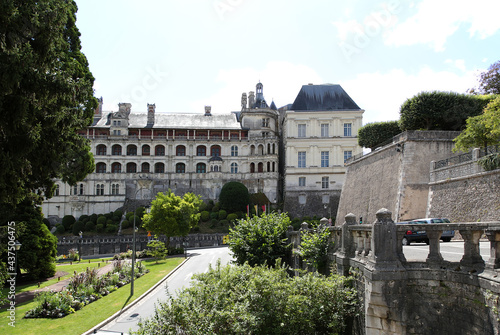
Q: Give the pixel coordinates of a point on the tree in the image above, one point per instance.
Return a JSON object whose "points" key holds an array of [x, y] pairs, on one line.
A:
{"points": [[256, 300], [489, 81], [234, 197], [482, 130], [314, 247], [46, 96], [260, 240], [372, 135], [157, 249], [172, 215], [440, 110]]}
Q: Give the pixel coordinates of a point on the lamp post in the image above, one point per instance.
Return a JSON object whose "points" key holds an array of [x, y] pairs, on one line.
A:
{"points": [[80, 247], [17, 246], [133, 255]]}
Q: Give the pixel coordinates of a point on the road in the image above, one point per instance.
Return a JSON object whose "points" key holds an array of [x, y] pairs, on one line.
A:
{"points": [[199, 260], [451, 251]]}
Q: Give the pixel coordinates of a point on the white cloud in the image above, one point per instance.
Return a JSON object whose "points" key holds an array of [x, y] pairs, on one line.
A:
{"points": [[381, 94], [436, 20], [458, 63], [282, 82]]}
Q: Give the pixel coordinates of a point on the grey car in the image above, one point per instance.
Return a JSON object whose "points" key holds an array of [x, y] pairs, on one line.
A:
{"points": [[421, 236]]}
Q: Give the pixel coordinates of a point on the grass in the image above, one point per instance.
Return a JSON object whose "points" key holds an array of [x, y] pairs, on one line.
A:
{"points": [[92, 314], [66, 267]]}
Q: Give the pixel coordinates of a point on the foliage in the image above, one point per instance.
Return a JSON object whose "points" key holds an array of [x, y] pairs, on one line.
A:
{"points": [[482, 130], [99, 228], [490, 162], [172, 215], [53, 305], [256, 300], [3, 278], [46, 96], [489, 81], [125, 224], [232, 217], [60, 229], [260, 240], [89, 226], [222, 214], [234, 196], [373, 134], [101, 220], [78, 227], [440, 110], [68, 221], [158, 249], [259, 198], [314, 246], [111, 228], [205, 216]]}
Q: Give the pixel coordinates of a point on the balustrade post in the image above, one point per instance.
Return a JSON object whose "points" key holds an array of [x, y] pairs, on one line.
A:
{"points": [[384, 250], [367, 243], [360, 243], [399, 245], [472, 256], [434, 255], [347, 240], [494, 238]]}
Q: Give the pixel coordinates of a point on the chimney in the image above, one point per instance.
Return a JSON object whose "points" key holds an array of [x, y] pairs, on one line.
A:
{"points": [[251, 99], [243, 101], [151, 114], [208, 110]]}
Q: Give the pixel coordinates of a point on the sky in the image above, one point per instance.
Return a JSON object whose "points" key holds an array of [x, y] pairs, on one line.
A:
{"points": [[182, 55]]}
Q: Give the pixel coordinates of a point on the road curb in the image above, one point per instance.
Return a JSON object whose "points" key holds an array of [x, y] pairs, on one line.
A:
{"points": [[117, 314]]}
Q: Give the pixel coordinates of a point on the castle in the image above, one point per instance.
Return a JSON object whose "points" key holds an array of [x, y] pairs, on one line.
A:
{"points": [[294, 155]]}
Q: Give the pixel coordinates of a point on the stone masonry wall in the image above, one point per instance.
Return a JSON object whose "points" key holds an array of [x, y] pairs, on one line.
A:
{"points": [[474, 198]]}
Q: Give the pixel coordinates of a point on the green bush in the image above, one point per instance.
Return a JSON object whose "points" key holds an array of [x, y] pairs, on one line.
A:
{"points": [[205, 216], [222, 214], [129, 216], [93, 218], [99, 228], [109, 222], [111, 228], [214, 215], [102, 221], [60, 229], [257, 300], [234, 197], [84, 218], [224, 222], [125, 224], [372, 135], [216, 207], [90, 226], [67, 221], [46, 222], [78, 227], [213, 223], [232, 217], [118, 212], [116, 219]]}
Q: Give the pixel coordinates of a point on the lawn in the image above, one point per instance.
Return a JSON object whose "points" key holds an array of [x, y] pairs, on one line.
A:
{"points": [[92, 314]]}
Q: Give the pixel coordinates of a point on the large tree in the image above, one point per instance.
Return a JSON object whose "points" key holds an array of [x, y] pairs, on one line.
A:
{"points": [[46, 95], [172, 215], [374, 134], [489, 81]]}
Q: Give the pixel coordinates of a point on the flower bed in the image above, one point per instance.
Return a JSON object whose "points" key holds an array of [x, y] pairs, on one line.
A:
{"points": [[83, 289]]}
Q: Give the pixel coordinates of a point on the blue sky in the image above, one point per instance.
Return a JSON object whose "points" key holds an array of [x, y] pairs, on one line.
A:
{"points": [[185, 54]]}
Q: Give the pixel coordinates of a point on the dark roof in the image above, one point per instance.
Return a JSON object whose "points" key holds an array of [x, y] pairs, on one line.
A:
{"points": [[273, 106], [323, 98]]}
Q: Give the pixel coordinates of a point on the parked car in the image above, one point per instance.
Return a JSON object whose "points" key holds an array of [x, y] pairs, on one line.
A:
{"points": [[421, 236]]}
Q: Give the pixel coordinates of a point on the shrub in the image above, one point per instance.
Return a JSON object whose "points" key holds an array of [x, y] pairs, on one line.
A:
{"points": [[46, 222], [116, 219], [90, 226], [224, 222], [205, 216], [111, 228], [60, 229], [125, 224], [222, 214], [93, 218], [313, 248], [109, 222], [231, 217], [129, 216], [214, 215], [234, 196], [118, 212], [372, 135], [102, 221], [216, 207], [158, 249], [213, 223], [84, 218], [99, 228], [78, 227], [67, 221]]}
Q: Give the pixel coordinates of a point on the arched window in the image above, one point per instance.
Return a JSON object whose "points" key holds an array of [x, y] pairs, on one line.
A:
{"points": [[131, 150], [268, 166], [180, 168], [101, 150], [146, 150], [81, 189], [215, 168], [160, 150], [74, 190], [261, 149], [274, 149], [252, 150], [274, 166], [145, 167], [116, 167], [269, 148], [201, 168], [252, 167], [115, 189], [261, 167], [100, 168], [180, 150], [234, 168], [159, 168], [116, 150], [234, 151], [131, 168], [56, 191], [201, 150], [215, 150], [99, 189]]}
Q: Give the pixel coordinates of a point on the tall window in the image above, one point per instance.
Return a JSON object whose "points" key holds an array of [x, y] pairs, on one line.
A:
{"points": [[201, 168], [347, 129], [234, 168], [325, 181], [201, 150], [159, 150], [116, 150], [180, 150], [324, 130], [100, 168], [146, 150], [302, 181], [145, 167], [81, 189], [215, 151], [74, 190], [347, 155], [131, 150], [116, 168], [302, 159], [325, 159], [159, 168], [99, 189], [234, 151], [101, 150], [180, 168], [56, 191], [131, 168], [115, 189], [301, 130], [265, 122]]}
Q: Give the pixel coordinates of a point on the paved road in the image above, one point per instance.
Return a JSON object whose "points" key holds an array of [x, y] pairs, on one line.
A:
{"points": [[451, 251], [199, 260]]}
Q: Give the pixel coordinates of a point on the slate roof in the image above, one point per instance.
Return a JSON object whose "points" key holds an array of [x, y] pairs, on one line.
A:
{"points": [[323, 98], [178, 121]]}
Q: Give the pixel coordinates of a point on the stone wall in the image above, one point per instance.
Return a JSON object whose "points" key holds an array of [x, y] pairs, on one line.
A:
{"points": [[466, 199], [314, 205]]}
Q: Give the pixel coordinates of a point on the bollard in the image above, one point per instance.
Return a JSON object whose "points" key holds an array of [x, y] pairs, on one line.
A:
{"points": [[59, 278], [98, 265], [38, 284]]}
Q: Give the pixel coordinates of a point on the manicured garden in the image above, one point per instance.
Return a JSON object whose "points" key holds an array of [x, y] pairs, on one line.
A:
{"points": [[90, 314]]}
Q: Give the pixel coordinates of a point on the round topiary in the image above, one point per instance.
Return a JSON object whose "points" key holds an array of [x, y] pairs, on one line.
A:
{"points": [[102, 220], [90, 226], [232, 217], [234, 197], [60, 229], [205, 216], [78, 227], [222, 214], [125, 224], [67, 221], [99, 228], [111, 228]]}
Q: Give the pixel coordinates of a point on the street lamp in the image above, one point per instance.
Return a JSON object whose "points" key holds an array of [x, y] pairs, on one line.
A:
{"points": [[133, 255], [80, 247], [17, 246]]}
